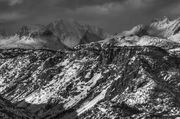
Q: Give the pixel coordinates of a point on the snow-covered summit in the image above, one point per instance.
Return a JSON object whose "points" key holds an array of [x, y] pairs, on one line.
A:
{"points": [[162, 33], [134, 74]]}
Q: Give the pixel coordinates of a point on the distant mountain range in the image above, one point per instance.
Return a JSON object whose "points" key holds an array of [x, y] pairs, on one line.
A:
{"points": [[134, 74], [61, 34]]}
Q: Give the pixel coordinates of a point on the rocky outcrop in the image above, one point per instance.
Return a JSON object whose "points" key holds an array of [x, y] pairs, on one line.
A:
{"points": [[71, 33], [93, 81], [134, 74], [162, 33], [162, 28], [10, 111]]}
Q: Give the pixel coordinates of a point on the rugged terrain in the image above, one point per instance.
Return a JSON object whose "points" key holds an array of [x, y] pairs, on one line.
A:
{"points": [[60, 34], [134, 74]]}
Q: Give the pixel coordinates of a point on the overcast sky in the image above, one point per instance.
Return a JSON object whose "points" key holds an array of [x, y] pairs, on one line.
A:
{"points": [[112, 15]]}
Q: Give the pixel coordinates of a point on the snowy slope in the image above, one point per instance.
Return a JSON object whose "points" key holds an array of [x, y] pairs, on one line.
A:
{"points": [[162, 33], [95, 81], [61, 34], [134, 74]]}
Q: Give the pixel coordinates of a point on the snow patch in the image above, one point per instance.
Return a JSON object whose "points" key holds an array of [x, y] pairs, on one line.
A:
{"points": [[92, 103]]}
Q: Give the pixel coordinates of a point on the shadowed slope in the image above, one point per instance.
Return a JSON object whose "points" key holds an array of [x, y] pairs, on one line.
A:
{"points": [[94, 81], [61, 34]]}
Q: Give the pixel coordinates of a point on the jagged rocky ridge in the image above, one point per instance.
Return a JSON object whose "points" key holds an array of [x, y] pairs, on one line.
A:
{"points": [[162, 33], [114, 78], [92, 82], [60, 34]]}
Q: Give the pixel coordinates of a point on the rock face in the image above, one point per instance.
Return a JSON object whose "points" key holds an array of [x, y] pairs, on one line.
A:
{"points": [[162, 33], [120, 77], [71, 33], [61, 34], [93, 81], [9, 111]]}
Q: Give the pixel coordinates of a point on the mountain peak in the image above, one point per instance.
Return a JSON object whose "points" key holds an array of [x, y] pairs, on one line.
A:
{"points": [[60, 34], [72, 33], [164, 27], [134, 74], [162, 33]]}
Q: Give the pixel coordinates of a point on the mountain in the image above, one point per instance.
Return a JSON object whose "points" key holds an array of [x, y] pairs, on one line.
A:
{"points": [[61, 34], [93, 82], [162, 33], [71, 33], [134, 74]]}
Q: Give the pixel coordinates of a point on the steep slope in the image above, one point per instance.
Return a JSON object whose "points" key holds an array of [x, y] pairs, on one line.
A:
{"points": [[162, 28], [61, 34], [71, 33], [93, 81], [134, 74], [162, 33], [9, 111]]}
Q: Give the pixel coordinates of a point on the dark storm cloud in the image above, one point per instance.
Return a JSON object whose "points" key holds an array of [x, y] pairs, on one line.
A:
{"points": [[73, 4], [113, 15]]}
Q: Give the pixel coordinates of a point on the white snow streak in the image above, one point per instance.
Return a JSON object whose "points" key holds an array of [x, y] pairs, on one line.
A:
{"points": [[93, 102]]}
